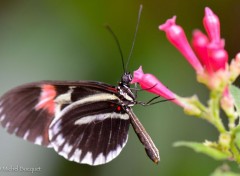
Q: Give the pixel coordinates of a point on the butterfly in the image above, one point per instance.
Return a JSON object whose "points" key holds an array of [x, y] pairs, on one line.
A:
{"points": [[83, 121]]}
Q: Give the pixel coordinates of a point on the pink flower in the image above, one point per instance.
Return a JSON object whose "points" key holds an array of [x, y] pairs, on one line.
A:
{"points": [[177, 37], [234, 67], [212, 25], [217, 58], [151, 84], [199, 44], [227, 101], [210, 49]]}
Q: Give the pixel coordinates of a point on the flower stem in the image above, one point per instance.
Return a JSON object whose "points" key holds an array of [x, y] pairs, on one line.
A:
{"points": [[231, 123], [214, 111], [235, 151]]}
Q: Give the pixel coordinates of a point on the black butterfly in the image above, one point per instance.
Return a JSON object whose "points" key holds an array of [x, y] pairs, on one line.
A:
{"points": [[84, 121]]}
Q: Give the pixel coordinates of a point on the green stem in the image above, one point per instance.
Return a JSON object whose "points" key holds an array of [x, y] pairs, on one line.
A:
{"points": [[219, 125], [235, 151], [200, 105], [231, 123], [214, 110]]}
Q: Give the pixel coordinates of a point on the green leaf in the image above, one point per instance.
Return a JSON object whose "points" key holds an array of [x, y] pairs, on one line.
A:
{"points": [[237, 138], [224, 170], [221, 173], [235, 91], [201, 148]]}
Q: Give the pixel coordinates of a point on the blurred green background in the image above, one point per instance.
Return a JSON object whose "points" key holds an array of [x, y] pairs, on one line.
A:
{"points": [[66, 40]]}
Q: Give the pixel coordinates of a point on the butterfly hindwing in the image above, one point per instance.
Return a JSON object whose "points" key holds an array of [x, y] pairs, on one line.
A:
{"points": [[91, 131]]}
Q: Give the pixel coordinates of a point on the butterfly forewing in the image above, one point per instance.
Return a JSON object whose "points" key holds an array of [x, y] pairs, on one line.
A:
{"points": [[28, 110], [91, 132]]}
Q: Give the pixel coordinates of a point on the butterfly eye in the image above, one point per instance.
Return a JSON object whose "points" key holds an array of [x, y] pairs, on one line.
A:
{"points": [[130, 77], [126, 78]]}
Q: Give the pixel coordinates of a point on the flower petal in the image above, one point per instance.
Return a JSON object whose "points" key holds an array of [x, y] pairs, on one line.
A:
{"points": [[151, 84], [199, 43], [177, 37], [212, 25], [218, 58]]}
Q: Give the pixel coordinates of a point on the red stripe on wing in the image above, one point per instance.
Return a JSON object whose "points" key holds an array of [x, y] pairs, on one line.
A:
{"points": [[46, 99]]}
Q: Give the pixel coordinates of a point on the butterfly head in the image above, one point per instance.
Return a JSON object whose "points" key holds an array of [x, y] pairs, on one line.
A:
{"points": [[126, 79]]}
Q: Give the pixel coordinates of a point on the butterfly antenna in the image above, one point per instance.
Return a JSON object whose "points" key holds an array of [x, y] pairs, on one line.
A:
{"points": [[118, 45], [135, 34]]}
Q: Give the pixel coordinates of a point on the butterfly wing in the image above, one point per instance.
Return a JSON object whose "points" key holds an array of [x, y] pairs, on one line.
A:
{"points": [[28, 110], [19, 115], [91, 131]]}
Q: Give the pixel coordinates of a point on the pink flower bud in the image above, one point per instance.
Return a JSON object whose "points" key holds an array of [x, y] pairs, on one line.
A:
{"points": [[199, 43], [212, 25], [227, 104], [235, 67], [177, 37], [218, 59], [151, 84], [237, 57]]}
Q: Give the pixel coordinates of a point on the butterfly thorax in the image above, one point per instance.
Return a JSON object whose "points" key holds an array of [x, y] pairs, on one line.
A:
{"points": [[128, 97]]}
